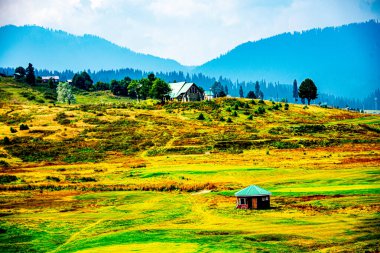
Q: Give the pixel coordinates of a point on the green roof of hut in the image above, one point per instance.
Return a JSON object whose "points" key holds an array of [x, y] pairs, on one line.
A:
{"points": [[251, 191]]}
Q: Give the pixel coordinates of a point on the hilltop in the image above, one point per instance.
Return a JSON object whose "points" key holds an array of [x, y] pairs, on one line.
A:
{"points": [[58, 50], [149, 129]]}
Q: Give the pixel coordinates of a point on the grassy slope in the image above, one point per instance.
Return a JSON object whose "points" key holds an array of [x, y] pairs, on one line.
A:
{"points": [[324, 180]]}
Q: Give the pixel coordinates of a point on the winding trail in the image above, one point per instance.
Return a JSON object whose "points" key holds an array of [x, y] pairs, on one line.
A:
{"points": [[75, 235]]}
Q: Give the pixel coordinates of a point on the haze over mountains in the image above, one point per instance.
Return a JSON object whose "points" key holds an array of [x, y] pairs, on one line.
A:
{"points": [[58, 50], [343, 61]]}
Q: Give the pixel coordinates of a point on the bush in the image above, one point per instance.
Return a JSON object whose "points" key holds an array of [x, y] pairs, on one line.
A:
{"points": [[253, 102], [260, 110], [261, 102], [7, 179], [201, 117], [286, 106], [62, 119], [222, 119], [229, 120], [228, 109], [250, 117], [236, 107], [305, 107], [13, 130], [4, 164], [234, 114], [55, 179], [24, 127], [285, 145], [6, 141]]}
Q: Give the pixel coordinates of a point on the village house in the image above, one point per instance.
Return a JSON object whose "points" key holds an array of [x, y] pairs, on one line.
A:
{"points": [[253, 197], [209, 95], [185, 92], [45, 79]]}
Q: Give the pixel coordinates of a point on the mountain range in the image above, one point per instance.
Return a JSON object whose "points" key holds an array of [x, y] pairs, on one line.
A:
{"points": [[58, 50], [344, 61]]}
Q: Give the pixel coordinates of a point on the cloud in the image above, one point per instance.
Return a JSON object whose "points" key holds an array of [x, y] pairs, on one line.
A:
{"points": [[191, 31]]}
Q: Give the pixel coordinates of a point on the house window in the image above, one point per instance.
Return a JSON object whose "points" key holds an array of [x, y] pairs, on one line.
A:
{"points": [[243, 201]]}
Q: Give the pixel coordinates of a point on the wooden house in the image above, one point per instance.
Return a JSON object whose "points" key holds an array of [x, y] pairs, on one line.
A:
{"points": [[45, 79], [208, 95], [185, 92], [253, 197]]}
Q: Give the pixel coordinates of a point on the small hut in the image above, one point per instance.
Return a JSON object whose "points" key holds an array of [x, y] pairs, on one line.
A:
{"points": [[253, 197]]}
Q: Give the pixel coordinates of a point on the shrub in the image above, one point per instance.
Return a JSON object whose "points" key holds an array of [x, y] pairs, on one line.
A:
{"points": [[228, 109], [24, 127], [286, 106], [55, 179], [7, 179], [246, 112], [246, 105], [305, 107], [260, 110], [201, 117], [250, 117], [6, 141], [62, 119], [253, 102], [4, 164], [234, 114], [285, 145], [13, 130], [229, 120], [40, 100], [222, 119], [236, 107], [261, 102]]}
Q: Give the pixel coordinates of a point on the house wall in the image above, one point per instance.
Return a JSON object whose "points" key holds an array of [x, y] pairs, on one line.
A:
{"points": [[192, 94], [260, 202]]}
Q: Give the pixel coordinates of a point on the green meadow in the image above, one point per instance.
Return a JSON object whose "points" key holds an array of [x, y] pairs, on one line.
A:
{"points": [[110, 174]]}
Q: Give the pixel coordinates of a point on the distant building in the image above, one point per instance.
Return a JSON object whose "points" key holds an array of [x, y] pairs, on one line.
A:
{"points": [[372, 112], [209, 95], [253, 197], [46, 79], [185, 92]]}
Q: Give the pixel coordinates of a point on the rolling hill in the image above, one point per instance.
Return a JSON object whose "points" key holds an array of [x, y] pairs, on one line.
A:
{"points": [[58, 50], [343, 61]]}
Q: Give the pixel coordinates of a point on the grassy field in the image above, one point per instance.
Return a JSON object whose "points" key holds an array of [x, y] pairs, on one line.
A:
{"points": [[113, 175]]}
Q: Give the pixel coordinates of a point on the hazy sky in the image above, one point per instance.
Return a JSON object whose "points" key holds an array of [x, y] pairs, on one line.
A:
{"points": [[189, 31]]}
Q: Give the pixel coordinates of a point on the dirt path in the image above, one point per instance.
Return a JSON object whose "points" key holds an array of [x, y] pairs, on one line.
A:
{"points": [[75, 235]]}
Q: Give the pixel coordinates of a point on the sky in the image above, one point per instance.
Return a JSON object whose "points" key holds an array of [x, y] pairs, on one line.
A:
{"points": [[191, 32]]}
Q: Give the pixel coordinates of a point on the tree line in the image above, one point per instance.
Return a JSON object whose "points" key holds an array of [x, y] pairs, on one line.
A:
{"points": [[272, 91]]}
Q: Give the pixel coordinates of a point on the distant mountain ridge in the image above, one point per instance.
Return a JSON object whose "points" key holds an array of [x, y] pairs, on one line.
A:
{"points": [[58, 50], [344, 61]]}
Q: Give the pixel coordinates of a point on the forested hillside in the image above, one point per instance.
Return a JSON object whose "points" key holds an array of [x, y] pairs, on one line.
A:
{"points": [[343, 61], [59, 50]]}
